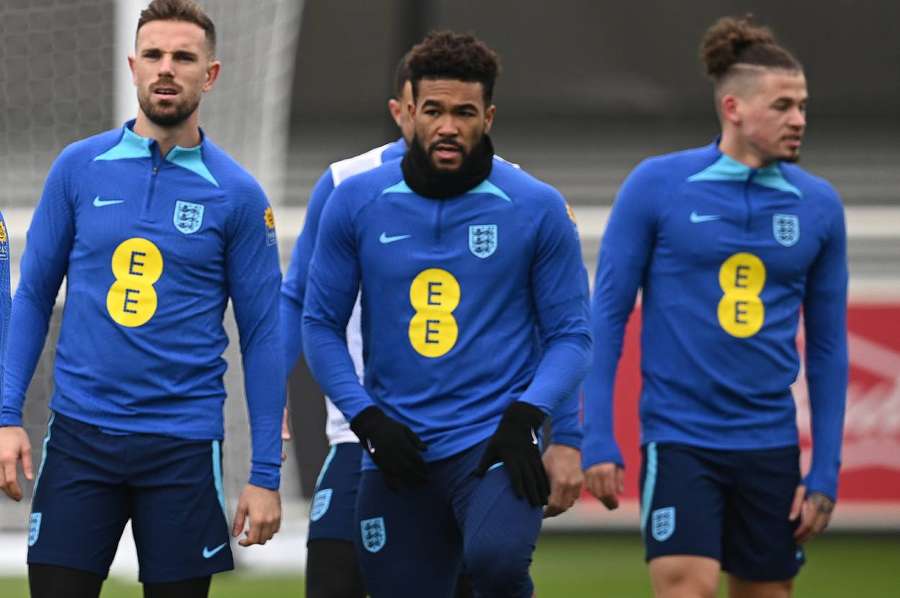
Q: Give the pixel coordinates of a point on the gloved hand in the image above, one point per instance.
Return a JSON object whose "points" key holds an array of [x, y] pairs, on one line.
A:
{"points": [[394, 448], [515, 444]]}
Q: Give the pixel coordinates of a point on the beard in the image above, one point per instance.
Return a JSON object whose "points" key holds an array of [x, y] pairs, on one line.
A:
{"points": [[427, 180], [167, 117]]}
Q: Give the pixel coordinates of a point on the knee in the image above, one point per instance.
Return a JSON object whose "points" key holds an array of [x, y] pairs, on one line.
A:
{"points": [[682, 577], [498, 571]]}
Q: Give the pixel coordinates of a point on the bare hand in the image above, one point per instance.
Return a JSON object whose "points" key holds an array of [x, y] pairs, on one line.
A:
{"points": [[606, 481], [263, 507], [814, 511], [285, 434], [563, 466], [14, 446]]}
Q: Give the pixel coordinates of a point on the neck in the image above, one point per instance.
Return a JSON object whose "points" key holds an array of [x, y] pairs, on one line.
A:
{"points": [[185, 134], [423, 178], [737, 148]]}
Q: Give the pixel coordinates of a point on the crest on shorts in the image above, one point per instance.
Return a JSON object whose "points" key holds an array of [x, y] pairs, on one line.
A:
{"points": [[483, 240], [786, 228], [34, 530], [374, 535], [321, 502], [188, 216], [663, 523]]}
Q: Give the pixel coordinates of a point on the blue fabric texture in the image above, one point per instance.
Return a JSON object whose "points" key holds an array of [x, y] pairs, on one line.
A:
{"points": [[726, 257], [152, 250], [468, 303]]}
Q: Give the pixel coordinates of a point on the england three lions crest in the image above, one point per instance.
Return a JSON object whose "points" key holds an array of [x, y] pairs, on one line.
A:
{"points": [[374, 534], [188, 216], [663, 524], [483, 240], [786, 228]]}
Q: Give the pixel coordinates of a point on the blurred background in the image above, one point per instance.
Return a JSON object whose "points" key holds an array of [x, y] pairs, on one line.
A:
{"points": [[588, 89]]}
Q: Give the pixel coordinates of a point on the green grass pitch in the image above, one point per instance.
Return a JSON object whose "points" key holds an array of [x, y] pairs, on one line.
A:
{"points": [[609, 565]]}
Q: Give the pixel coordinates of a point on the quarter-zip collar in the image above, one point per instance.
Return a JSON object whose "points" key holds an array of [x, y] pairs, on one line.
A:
{"points": [[726, 168], [131, 146]]}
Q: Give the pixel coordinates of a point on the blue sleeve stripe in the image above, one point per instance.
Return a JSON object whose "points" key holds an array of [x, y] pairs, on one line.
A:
{"points": [[649, 485], [217, 474]]}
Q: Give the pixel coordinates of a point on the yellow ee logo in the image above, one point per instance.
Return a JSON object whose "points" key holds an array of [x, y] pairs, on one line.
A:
{"points": [[137, 264], [741, 311], [434, 294]]}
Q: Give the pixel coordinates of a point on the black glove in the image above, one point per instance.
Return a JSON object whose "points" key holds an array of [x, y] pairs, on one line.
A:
{"points": [[515, 444], [396, 449]]}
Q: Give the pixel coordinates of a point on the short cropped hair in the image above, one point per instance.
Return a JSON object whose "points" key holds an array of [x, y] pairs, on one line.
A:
{"points": [[180, 10], [401, 75], [449, 55]]}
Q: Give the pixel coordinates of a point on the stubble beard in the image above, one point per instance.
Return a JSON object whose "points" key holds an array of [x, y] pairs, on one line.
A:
{"points": [[168, 118]]}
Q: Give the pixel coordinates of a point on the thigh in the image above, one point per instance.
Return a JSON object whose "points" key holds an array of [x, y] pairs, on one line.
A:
{"points": [[179, 523], [758, 537], [334, 501], [79, 493], [682, 501], [500, 532], [407, 540]]}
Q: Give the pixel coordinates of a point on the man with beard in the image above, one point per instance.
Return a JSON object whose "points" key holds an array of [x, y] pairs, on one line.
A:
{"points": [[459, 258], [332, 568], [155, 228], [728, 243]]}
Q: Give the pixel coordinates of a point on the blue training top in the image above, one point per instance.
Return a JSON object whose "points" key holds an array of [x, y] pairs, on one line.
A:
{"points": [[152, 248], [566, 425], [725, 256], [452, 293], [4, 296]]}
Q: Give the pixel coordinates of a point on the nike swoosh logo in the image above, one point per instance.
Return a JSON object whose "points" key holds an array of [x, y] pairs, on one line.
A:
{"points": [[697, 218], [533, 438], [386, 239], [99, 203], [208, 554]]}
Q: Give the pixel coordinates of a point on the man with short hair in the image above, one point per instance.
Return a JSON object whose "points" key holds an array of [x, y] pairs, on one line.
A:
{"points": [[155, 229], [728, 243], [460, 258], [332, 568]]}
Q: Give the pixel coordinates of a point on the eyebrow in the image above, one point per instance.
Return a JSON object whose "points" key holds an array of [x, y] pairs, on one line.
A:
{"points": [[436, 103]]}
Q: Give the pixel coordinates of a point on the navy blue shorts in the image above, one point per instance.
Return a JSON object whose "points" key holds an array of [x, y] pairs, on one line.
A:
{"points": [[414, 542], [334, 502], [90, 483], [731, 506]]}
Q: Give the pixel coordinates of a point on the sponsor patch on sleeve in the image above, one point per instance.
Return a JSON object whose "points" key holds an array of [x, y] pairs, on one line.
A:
{"points": [[4, 242], [269, 216]]}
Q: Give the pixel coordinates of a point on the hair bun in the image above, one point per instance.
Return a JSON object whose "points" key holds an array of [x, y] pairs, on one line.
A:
{"points": [[728, 39]]}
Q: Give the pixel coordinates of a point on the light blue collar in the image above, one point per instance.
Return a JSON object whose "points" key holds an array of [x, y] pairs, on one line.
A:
{"points": [[484, 187], [729, 169], [132, 145]]}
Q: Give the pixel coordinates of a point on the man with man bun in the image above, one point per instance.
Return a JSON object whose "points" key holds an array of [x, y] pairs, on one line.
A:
{"points": [[728, 242]]}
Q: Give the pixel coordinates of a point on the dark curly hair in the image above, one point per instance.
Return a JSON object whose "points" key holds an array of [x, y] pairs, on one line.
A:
{"points": [[738, 41], [449, 55], [180, 10]]}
